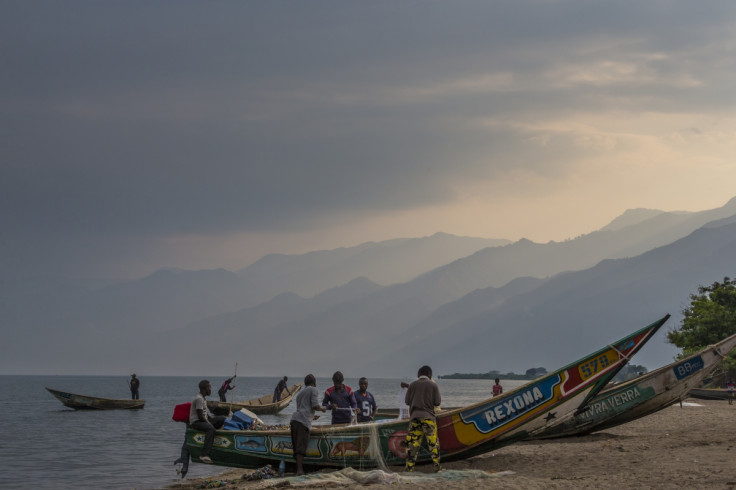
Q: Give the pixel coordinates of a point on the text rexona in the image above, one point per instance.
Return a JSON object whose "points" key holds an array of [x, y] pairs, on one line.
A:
{"points": [[517, 404]]}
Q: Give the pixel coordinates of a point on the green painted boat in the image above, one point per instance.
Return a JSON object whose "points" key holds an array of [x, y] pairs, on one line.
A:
{"points": [[463, 432], [84, 402], [644, 395]]}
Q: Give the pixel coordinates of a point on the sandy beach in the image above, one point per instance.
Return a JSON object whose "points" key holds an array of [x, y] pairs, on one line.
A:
{"points": [[693, 446]]}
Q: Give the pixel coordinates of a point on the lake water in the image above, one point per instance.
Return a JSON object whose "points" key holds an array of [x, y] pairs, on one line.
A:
{"points": [[48, 446]]}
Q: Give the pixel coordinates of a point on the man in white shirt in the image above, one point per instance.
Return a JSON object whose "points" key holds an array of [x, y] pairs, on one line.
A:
{"points": [[200, 420]]}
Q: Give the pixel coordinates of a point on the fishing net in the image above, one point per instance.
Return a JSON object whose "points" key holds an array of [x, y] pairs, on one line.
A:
{"points": [[348, 476], [368, 442]]}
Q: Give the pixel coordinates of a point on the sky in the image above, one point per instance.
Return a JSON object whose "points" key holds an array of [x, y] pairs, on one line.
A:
{"points": [[138, 135]]}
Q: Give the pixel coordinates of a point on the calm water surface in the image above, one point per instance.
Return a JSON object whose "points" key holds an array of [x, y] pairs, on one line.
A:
{"points": [[51, 446]]}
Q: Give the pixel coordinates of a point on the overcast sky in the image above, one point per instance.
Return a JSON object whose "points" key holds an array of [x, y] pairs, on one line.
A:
{"points": [[201, 134]]}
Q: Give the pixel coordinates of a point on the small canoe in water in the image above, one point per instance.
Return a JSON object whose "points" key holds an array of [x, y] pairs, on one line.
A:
{"points": [[84, 402], [260, 406]]}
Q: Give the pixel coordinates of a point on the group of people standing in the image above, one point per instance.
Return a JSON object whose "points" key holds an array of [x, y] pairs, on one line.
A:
{"points": [[422, 397]]}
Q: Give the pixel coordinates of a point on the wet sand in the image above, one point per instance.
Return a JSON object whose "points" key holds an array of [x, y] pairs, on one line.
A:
{"points": [[678, 447]]}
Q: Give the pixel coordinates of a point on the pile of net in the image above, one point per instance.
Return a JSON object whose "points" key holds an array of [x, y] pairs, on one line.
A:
{"points": [[347, 476]]}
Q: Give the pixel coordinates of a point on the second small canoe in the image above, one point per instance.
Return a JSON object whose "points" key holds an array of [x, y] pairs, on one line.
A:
{"points": [[85, 402], [260, 406]]}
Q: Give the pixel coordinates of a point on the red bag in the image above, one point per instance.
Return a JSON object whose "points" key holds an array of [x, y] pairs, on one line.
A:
{"points": [[181, 412]]}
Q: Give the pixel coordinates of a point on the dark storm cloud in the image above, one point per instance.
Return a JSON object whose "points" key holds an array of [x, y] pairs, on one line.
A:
{"points": [[156, 118]]}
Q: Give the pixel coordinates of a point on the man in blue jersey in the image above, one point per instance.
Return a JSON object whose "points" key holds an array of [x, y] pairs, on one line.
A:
{"points": [[340, 399], [366, 403]]}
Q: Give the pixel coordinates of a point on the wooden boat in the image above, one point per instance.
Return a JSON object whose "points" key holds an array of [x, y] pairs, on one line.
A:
{"points": [[709, 393], [463, 432], [643, 395], [393, 413], [259, 406], [84, 402]]}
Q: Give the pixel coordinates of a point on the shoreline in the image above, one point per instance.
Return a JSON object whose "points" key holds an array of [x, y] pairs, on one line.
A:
{"points": [[689, 446]]}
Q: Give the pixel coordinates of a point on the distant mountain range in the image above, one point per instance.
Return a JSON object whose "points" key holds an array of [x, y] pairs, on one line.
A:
{"points": [[459, 304]]}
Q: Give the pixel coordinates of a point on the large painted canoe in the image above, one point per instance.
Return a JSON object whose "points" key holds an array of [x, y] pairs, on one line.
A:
{"points": [[644, 395], [261, 406], [84, 402], [709, 393], [463, 432]]}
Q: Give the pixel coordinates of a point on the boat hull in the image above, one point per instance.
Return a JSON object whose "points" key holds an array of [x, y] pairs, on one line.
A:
{"points": [[462, 432], [84, 402], [709, 393], [259, 406], [644, 395]]}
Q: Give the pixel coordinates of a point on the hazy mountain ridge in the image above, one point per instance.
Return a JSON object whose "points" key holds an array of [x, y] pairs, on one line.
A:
{"points": [[546, 322], [499, 265], [607, 301], [213, 308], [387, 262]]}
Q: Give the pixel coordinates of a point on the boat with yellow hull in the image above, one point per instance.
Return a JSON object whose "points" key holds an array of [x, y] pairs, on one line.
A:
{"points": [[462, 432]]}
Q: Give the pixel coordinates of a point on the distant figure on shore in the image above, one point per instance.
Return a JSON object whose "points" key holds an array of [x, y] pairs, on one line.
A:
{"points": [[200, 420], [497, 388], [280, 388], [307, 402], [340, 399], [731, 387], [225, 388], [366, 403], [422, 397], [134, 384]]}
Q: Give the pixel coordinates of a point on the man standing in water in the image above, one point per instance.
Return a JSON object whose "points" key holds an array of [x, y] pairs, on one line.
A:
{"points": [[307, 402], [134, 383], [200, 420], [422, 396], [497, 388]]}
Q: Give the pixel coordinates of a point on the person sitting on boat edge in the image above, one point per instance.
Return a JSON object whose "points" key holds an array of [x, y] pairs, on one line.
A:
{"points": [[307, 402], [422, 397], [134, 383], [279, 389], [225, 388], [340, 399], [199, 419], [497, 388], [366, 402]]}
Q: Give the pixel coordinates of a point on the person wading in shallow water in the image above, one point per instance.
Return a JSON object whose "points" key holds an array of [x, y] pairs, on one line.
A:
{"points": [[422, 396], [497, 388]]}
